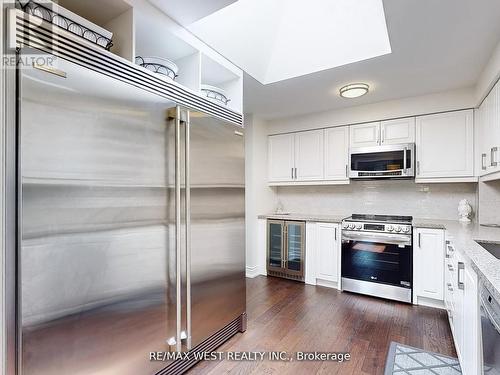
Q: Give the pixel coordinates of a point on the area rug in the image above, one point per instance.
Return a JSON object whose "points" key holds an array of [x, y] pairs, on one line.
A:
{"points": [[404, 360]]}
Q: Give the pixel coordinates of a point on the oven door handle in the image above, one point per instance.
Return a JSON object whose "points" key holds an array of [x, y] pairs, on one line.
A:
{"points": [[395, 239]]}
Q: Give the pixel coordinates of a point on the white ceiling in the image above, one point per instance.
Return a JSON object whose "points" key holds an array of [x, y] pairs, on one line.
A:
{"points": [[188, 11], [437, 45], [282, 39]]}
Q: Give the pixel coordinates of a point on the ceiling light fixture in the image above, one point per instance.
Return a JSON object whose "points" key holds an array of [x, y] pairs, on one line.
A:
{"points": [[354, 90]]}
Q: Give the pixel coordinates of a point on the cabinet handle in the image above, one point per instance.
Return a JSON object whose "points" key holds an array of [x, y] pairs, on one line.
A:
{"points": [[419, 238], [335, 233], [346, 170], [404, 160], [292, 173], [383, 135], [418, 167], [483, 162], [295, 173], [461, 267], [492, 156]]}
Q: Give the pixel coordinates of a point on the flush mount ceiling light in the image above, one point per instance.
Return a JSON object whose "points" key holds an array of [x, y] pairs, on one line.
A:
{"points": [[354, 90]]}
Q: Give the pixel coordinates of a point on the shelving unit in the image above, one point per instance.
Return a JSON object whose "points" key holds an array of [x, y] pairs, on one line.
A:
{"points": [[141, 29]]}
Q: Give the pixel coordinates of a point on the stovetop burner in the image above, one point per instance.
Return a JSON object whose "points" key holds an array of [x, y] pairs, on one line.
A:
{"points": [[381, 218]]}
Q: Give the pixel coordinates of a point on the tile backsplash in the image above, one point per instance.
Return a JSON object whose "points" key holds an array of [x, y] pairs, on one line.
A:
{"points": [[402, 197], [489, 202]]}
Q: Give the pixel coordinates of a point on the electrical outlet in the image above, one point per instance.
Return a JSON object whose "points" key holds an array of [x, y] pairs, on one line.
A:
{"points": [[424, 189]]}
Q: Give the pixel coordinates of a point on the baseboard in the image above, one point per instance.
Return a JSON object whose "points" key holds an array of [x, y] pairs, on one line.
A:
{"points": [[429, 302], [252, 271], [327, 283]]}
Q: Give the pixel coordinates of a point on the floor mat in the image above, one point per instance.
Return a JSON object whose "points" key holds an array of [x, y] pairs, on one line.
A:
{"points": [[404, 360]]}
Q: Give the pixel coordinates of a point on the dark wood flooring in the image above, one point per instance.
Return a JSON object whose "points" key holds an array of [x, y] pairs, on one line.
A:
{"points": [[290, 316]]}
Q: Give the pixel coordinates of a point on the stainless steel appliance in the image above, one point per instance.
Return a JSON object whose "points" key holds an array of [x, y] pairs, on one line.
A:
{"points": [[285, 249], [377, 256], [395, 161], [131, 226], [490, 331]]}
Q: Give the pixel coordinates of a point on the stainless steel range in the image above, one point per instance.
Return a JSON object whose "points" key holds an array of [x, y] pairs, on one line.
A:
{"points": [[377, 256]]}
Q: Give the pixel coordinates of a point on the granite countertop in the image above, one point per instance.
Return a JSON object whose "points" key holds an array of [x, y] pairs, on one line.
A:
{"points": [[464, 236], [303, 217]]}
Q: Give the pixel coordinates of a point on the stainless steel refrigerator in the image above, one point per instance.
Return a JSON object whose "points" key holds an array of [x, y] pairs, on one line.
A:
{"points": [[131, 226]]}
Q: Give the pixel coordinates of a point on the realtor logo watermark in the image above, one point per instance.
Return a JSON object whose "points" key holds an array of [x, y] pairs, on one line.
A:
{"points": [[29, 58], [339, 357]]}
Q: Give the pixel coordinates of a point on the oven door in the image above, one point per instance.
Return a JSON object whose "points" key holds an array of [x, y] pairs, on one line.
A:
{"points": [[378, 258], [382, 161]]}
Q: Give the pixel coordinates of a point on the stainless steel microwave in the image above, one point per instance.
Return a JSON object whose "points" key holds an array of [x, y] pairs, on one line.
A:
{"points": [[390, 161]]}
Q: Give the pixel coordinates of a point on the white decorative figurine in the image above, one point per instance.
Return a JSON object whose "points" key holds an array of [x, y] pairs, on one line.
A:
{"points": [[464, 210]]}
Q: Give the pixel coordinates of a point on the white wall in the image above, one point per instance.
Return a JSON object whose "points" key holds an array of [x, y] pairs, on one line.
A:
{"points": [[489, 76], [440, 102], [259, 197]]}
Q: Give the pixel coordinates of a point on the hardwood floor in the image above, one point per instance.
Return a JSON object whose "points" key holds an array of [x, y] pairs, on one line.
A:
{"points": [[289, 316]]}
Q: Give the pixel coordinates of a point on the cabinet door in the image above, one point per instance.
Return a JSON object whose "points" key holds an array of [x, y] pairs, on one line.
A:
{"points": [[492, 136], [397, 131], [336, 153], [294, 249], [327, 261], [445, 145], [309, 155], [280, 157], [428, 263], [458, 306], [275, 244], [365, 135], [471, 343]]}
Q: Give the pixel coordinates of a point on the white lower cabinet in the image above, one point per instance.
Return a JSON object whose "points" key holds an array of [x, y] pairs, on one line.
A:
{"points": [[323, 254], [428, 264], [462, 305], [471, 341]]}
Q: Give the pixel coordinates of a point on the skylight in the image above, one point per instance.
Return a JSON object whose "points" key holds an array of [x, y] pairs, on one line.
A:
{"points": [[274, 40]]}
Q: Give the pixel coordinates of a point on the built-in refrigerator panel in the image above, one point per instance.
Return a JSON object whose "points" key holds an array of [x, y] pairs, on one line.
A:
{"points": [[96, 259], [217, 224]]}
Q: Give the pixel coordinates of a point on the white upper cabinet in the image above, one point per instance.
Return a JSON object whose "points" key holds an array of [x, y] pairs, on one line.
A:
{"points": [[309, 156], [336, 153], [445, 146], [397, 131], [281, 157], [383, 133], [488, 145], [428, 263], [365, 135]]}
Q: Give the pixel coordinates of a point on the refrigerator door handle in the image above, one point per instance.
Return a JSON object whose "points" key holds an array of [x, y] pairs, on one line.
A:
{"points": [[187, 196], [178, 281]]}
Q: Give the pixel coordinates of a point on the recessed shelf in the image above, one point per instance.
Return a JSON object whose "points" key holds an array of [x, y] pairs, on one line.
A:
{"points": [[143, 30], [116, 16], [231, 81]]}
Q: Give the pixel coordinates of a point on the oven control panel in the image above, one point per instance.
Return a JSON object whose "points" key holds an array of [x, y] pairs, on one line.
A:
{"points": [[377, 227]]}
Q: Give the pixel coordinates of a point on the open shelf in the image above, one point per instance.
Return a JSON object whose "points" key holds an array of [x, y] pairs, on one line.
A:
{"points": [[215, 74], [141, 29], [116, 16]]}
